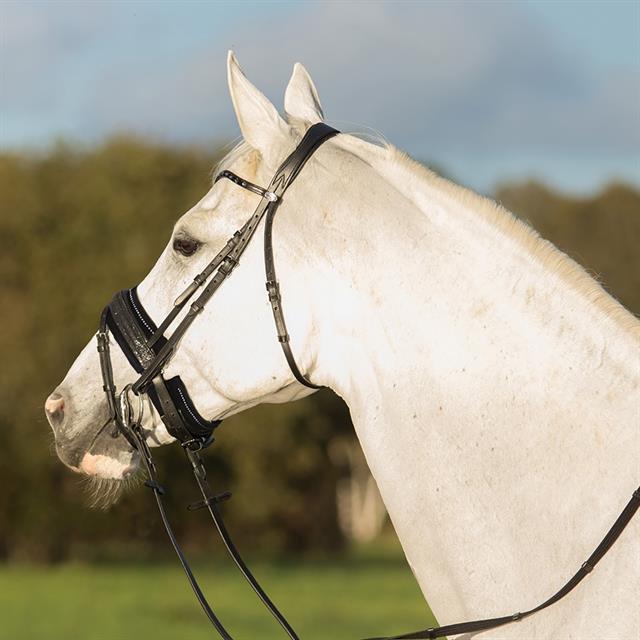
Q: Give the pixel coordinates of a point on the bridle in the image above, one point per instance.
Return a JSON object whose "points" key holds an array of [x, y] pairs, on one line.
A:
{"points": [[145, 345], [148, 351]]}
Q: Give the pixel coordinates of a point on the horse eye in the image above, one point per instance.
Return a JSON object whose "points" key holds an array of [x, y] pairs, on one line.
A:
{"points": [[186, 246]]}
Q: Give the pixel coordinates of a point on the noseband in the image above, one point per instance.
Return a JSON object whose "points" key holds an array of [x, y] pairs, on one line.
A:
{"points": [[148, 351]]}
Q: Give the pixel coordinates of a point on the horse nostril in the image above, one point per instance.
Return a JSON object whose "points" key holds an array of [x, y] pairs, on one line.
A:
{"points": [[54, 408]]}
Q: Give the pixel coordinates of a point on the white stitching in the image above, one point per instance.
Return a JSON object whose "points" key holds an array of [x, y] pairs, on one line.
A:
{"points": [[135, 308], [193, 415]]}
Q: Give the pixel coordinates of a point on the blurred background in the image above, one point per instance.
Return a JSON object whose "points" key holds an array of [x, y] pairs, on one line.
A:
{"points": [[112, 117]]}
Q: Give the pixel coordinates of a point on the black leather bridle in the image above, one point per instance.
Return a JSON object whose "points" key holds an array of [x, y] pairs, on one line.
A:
{"points": [[148, 351], [144, 344]]}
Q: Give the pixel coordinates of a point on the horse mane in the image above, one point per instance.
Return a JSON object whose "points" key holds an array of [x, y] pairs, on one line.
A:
{"points": [[398, 168], [402, 171]]}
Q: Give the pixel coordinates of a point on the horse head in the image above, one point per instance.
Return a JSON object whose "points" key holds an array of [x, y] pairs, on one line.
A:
{"points": [[229, 359]]}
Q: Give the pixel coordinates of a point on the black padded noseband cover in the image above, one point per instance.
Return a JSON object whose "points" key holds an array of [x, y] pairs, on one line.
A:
{"points": [[132, 328]]}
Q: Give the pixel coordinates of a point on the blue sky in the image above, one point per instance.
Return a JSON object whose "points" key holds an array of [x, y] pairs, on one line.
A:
{"points": [[488, 91]]}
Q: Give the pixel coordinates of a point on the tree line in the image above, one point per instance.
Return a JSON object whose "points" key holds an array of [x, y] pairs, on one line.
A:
{"points": [[78, 224]]}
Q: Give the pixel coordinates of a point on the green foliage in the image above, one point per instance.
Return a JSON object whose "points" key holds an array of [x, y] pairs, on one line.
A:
{"points": [[76, 226]]}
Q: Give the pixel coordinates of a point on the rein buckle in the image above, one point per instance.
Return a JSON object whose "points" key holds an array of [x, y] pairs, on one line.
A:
{"points": [[155, 486], [210, 501]]}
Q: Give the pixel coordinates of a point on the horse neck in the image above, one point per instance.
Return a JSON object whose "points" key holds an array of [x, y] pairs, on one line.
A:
{"points": [[484, 371]]}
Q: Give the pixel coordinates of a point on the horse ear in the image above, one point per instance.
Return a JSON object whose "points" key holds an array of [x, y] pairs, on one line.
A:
{"points": [[259, 121], [301, 100]]}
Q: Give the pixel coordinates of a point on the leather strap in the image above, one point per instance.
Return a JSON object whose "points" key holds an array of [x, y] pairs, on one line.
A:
{"points": [[158, 492], [587, 567], [169, 412], [286, 174], [245, 184], [275, 299], [221, 267], [211, 501], [272, 195], [227, 259]]}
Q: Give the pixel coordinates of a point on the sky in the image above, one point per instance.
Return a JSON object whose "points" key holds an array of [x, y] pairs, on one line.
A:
{"points": [[489, 92]]}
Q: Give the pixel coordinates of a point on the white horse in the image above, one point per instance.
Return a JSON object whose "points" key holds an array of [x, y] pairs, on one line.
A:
{"points": [[493, 384]]}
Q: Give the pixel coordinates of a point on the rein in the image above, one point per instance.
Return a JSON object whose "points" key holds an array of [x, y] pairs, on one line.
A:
{"points": [[148, 351]]}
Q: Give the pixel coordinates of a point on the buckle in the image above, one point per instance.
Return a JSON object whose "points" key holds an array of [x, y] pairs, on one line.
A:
{"points": [[228, 265], [273, 290], [587, 567], [198, 444], [210, 501], [158, 488]]}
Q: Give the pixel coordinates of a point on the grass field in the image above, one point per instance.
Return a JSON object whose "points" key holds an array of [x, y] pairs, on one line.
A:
{"points": [[364, 593]]}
